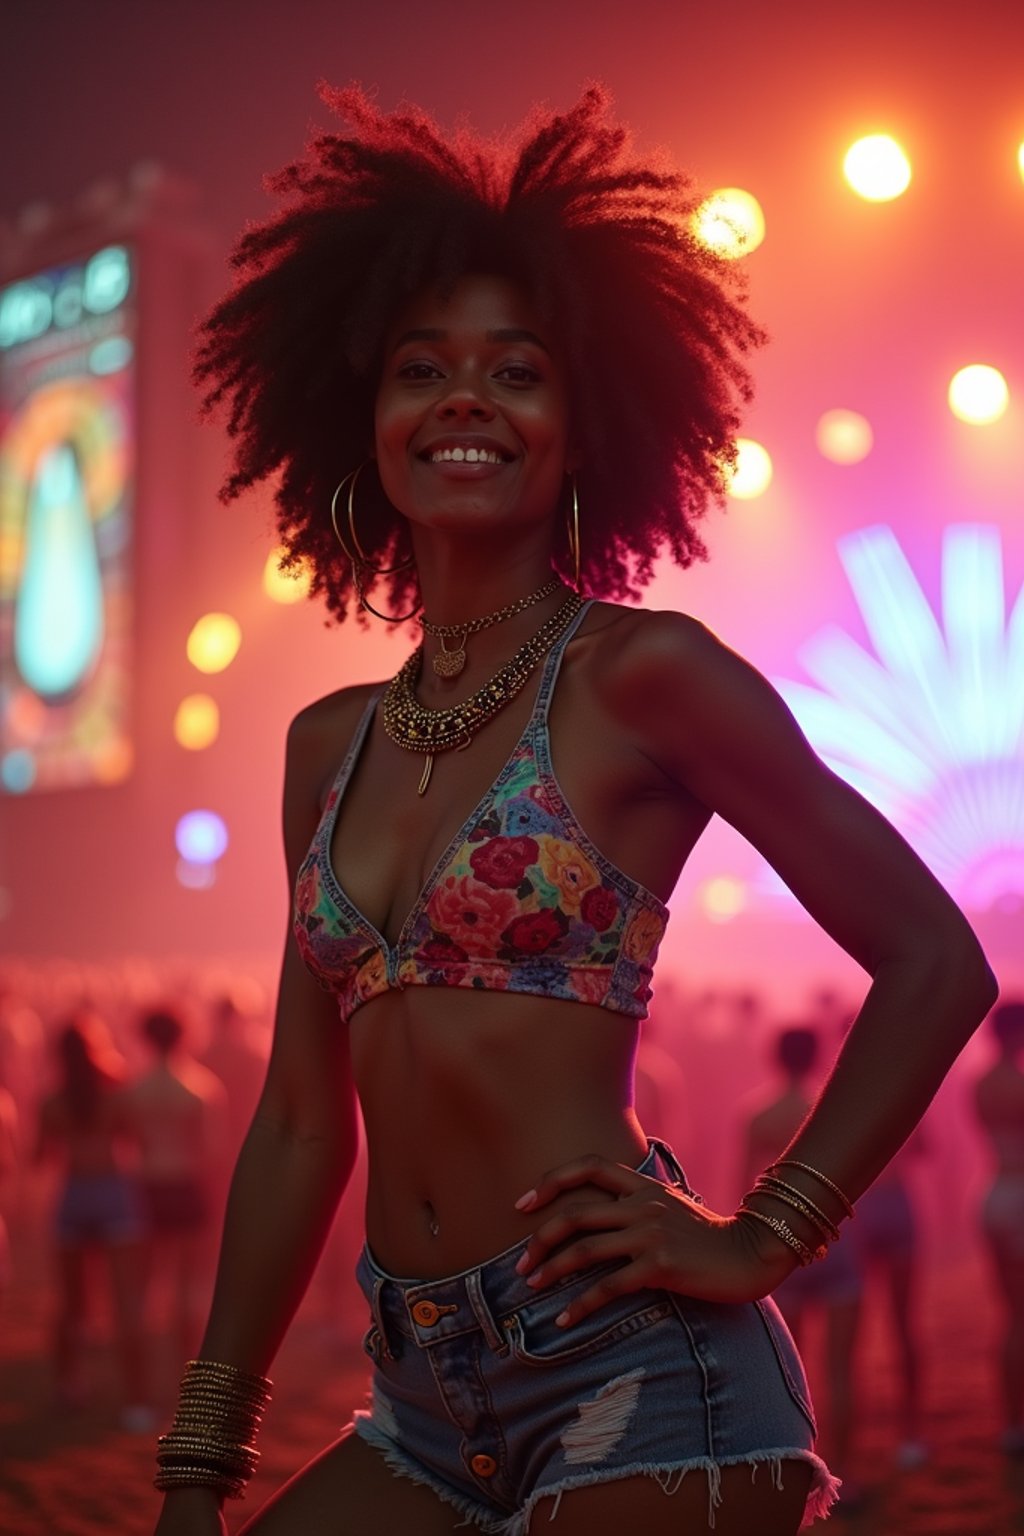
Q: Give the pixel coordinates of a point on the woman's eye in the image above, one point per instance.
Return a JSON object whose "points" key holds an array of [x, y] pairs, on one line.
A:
{"points": [[518, 373], [418, 371]]}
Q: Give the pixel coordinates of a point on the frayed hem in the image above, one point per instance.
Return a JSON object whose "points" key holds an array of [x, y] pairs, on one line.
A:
{"points": [[822, 1494], [404, 1465]]}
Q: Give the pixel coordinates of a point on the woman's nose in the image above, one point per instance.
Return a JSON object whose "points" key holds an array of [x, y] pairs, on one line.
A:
{"points": [[464, 400]]}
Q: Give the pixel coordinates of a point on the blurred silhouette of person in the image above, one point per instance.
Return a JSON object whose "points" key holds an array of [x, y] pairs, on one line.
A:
{"points": [[233, 1056], [999, 1103], [177, 1111], [886, 1236], [834, 1285], [99, 1210]]}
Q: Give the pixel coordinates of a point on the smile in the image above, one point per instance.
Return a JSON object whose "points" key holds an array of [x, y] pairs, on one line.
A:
{"points": [[465, 456]]}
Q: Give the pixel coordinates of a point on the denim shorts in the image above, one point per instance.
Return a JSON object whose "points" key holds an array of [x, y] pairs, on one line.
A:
{"points": [[477, 1394]]}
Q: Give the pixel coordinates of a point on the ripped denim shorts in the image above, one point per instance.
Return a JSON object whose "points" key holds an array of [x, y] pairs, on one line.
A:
{"points": [[478, 1394]]}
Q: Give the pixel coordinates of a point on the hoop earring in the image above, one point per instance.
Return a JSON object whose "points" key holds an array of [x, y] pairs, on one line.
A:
{"points": [[572, 530], [359, 558]]}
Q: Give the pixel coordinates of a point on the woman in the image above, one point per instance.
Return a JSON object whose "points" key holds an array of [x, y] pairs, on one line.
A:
{"points": [[469, 368], [99, 1210]]}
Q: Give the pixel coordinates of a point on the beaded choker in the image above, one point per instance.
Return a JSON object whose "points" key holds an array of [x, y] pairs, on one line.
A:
{"points": [[418, 729]]}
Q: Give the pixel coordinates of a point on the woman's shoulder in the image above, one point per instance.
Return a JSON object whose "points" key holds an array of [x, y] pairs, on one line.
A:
{"points": [[324, 717], [638, 651], [318, 739]]}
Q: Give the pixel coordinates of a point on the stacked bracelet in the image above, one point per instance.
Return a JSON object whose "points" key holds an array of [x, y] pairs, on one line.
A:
{"points": [[782, 1229], [791, 1162], [775, 1188], [798, 1201], [210, 1442]]}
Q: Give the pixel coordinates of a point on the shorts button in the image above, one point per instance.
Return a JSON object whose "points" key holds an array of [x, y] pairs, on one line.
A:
{"points": [[425, 1313], [484, 1466]]}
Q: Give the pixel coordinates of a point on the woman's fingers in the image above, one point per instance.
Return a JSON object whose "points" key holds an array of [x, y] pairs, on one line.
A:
{"points": [[598, 1171], [618, 1282], [609, 1241]]}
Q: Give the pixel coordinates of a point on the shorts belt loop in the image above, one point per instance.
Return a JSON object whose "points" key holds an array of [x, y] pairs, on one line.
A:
{"points": [[477, 1301], [671, 1162], [377, 1312]]}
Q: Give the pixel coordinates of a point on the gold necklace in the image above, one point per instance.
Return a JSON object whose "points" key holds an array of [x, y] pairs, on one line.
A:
{"points": [[413, 726], [450, 663]]}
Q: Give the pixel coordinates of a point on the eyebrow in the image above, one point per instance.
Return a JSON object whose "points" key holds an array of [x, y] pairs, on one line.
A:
{"points": [[508, 334]]}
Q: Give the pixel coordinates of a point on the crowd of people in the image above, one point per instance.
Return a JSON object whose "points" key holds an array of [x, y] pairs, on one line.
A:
{"points": [[120, 1117]]}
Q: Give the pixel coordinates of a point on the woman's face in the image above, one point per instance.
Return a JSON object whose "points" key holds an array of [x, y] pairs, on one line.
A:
{"points": [[472, 412]]}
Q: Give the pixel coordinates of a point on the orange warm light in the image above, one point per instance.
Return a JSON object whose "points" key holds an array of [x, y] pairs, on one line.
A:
{"points": [[196, 722], [723, 898], [730, 222], [845, 437], [753, 472], [214, 641], [877, 168], [978, 394], [284, 586]]}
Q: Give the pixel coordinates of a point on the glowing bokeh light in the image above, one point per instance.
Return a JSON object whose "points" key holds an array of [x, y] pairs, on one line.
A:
{"points": [[284, 586], [214, 641], [753, 472], [845, 437], [17, 771], [1020, 160], [876, 168], [201, 837], [195, 877], [978, 394], [723, 898], [730, 222], [196, 722]]}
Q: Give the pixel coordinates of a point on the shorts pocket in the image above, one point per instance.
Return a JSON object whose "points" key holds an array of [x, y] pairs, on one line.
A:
{"points": [[788, 1357], [535, 1338]]}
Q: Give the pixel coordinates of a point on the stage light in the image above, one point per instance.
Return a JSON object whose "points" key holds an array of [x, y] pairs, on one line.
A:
{"points": [[214, 641], [201, 837], [196, 722], [730, 222], [285, 586], [876, 168], [978, 394], [753, 472], [929, 727], [844, 437], [723, 898]]}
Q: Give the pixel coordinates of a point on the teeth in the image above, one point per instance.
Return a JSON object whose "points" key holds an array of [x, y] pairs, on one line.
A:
{"points": [[464, 455]]}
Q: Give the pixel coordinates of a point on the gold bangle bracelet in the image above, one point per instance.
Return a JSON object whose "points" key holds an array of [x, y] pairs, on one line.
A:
{"points": [[791, 1162], [770, 1184]]}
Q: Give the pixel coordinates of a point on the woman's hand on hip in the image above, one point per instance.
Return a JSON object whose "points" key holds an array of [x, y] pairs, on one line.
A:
{"points": [[659, 1236]]}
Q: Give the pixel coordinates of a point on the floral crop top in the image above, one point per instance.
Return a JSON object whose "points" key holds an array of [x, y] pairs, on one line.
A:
{"points": [[519, 901]]}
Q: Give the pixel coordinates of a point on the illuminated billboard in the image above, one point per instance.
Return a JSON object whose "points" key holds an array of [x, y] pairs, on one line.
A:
{"points": [[67, 461]]}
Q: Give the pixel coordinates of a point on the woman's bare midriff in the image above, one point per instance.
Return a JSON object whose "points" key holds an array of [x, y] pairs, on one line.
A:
{"points": [[468, 1100]]}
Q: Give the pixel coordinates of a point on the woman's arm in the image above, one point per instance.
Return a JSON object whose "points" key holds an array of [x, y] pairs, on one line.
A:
{"points": [[734, 745], [728, 741], [295, 1161], [300, 1150]]}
